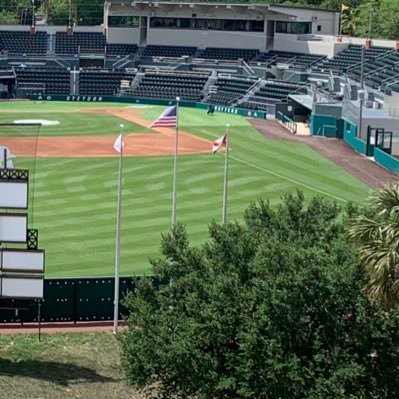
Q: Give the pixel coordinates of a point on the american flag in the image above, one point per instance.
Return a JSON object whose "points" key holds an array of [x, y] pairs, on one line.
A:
{"points": [[167, 119]]}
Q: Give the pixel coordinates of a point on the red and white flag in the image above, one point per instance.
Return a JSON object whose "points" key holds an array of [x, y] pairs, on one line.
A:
{"points": [[220, 142]]}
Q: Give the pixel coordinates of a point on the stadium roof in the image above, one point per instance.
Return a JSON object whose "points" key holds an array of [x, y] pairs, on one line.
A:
{"points": [[235, 3]]}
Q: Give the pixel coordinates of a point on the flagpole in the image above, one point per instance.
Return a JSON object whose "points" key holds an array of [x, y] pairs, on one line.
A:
{"points": [[226, 166], [340, 22], [175, 164], [118, 237]]}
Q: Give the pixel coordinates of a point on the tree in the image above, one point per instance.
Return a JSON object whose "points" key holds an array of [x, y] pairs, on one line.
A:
{"points": [[377, 235], [269, 308]]}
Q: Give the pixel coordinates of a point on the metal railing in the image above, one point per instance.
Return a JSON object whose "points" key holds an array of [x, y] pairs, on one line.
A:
{"points": [[287, 122]]}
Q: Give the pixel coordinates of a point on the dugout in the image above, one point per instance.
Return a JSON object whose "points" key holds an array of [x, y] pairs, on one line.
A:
{"points": [[7, 83]]}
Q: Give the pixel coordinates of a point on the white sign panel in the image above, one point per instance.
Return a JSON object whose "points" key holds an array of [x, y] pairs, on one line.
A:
{"points": [[14, 195], [25, 260], [13, 227], [22, 287]]}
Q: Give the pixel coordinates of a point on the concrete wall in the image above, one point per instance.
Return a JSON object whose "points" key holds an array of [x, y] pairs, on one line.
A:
{"points": [[206, 38], [123, 35], [300, 44], [391, 105]]}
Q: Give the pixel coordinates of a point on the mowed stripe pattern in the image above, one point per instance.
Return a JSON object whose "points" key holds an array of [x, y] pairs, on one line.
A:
{"points": [[75, 199]]}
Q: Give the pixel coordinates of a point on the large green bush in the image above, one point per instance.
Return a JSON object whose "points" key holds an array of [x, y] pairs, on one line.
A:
{"points": [[270, 308]]}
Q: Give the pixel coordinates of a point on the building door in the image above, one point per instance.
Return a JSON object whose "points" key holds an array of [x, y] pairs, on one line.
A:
{"points": [[270, 35], [143, 31]]}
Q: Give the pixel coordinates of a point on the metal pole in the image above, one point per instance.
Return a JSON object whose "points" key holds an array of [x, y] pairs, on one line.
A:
{"points": [[340, 23], [362, 69], [70, 13], [361, 97], [175, 164], [33, 12], [39, 317], [118, 238], [226, 168], [370, 18]]}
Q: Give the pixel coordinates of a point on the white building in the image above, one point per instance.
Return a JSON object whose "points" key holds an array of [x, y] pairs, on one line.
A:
{"points": [[251, 26]]}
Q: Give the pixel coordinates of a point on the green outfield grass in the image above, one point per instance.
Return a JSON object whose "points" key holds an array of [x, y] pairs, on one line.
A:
{"points": [[75, 198], [71, 123]]}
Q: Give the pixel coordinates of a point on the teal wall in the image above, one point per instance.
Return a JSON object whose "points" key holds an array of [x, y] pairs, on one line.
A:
{"points": [[154, 101], [350, 138], [386, 160], [323, 125]]}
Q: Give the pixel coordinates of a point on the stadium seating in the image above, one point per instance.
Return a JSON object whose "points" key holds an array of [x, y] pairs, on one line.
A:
{"points": [[188, 86], [229, 90], [86, 41], [22, 42], [380, 71], [273, 92], [217, 53], [351, 57], [102, 82], [168, 51], [113, 50], [296, 59], [54, 80]]}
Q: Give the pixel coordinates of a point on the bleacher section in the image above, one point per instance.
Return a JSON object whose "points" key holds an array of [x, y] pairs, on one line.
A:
{"points": [[120, 49], [54, 80], [217, 53], [102, 82], [20, 42], [379, 72], [351, 58], [230, 90], [86, 41], [168, 51], [272, 93], [187, 86], [274, 57]]}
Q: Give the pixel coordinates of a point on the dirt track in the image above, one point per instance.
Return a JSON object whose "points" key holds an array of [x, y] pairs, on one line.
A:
{"points": [[334, 149]]}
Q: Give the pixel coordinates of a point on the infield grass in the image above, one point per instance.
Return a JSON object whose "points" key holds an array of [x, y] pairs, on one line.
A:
{"points": [[75, 198]]}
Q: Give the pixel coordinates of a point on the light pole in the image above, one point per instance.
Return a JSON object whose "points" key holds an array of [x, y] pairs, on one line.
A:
{"points": [[33, 13], [372, 12], [70, 14]]}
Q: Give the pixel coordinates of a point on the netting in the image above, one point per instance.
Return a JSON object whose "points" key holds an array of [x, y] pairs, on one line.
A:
{"points": [[18, 150]]}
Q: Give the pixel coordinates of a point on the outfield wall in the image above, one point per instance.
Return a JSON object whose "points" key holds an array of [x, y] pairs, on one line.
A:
{"points": [[386, 160], [72, 300], [151, 101]]}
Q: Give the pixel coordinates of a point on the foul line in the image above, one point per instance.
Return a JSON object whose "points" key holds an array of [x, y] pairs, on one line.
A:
{"points": [[282, 176]]}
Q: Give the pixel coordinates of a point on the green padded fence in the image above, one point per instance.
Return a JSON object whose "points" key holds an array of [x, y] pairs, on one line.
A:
{"points": [[386, 160], [150, 101], [71, 300], [350, 138], [323, 125]]}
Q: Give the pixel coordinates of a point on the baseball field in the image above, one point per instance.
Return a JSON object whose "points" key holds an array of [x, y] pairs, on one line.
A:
{"points": [[74, 177]]}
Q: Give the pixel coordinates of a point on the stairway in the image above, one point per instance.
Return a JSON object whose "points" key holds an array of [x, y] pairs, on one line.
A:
{"points": [[210, 87], [251, 91], [74, 85]]}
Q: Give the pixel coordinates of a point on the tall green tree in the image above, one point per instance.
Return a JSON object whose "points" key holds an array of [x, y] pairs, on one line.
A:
{"points": [[377, 235], [269, 308]]}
